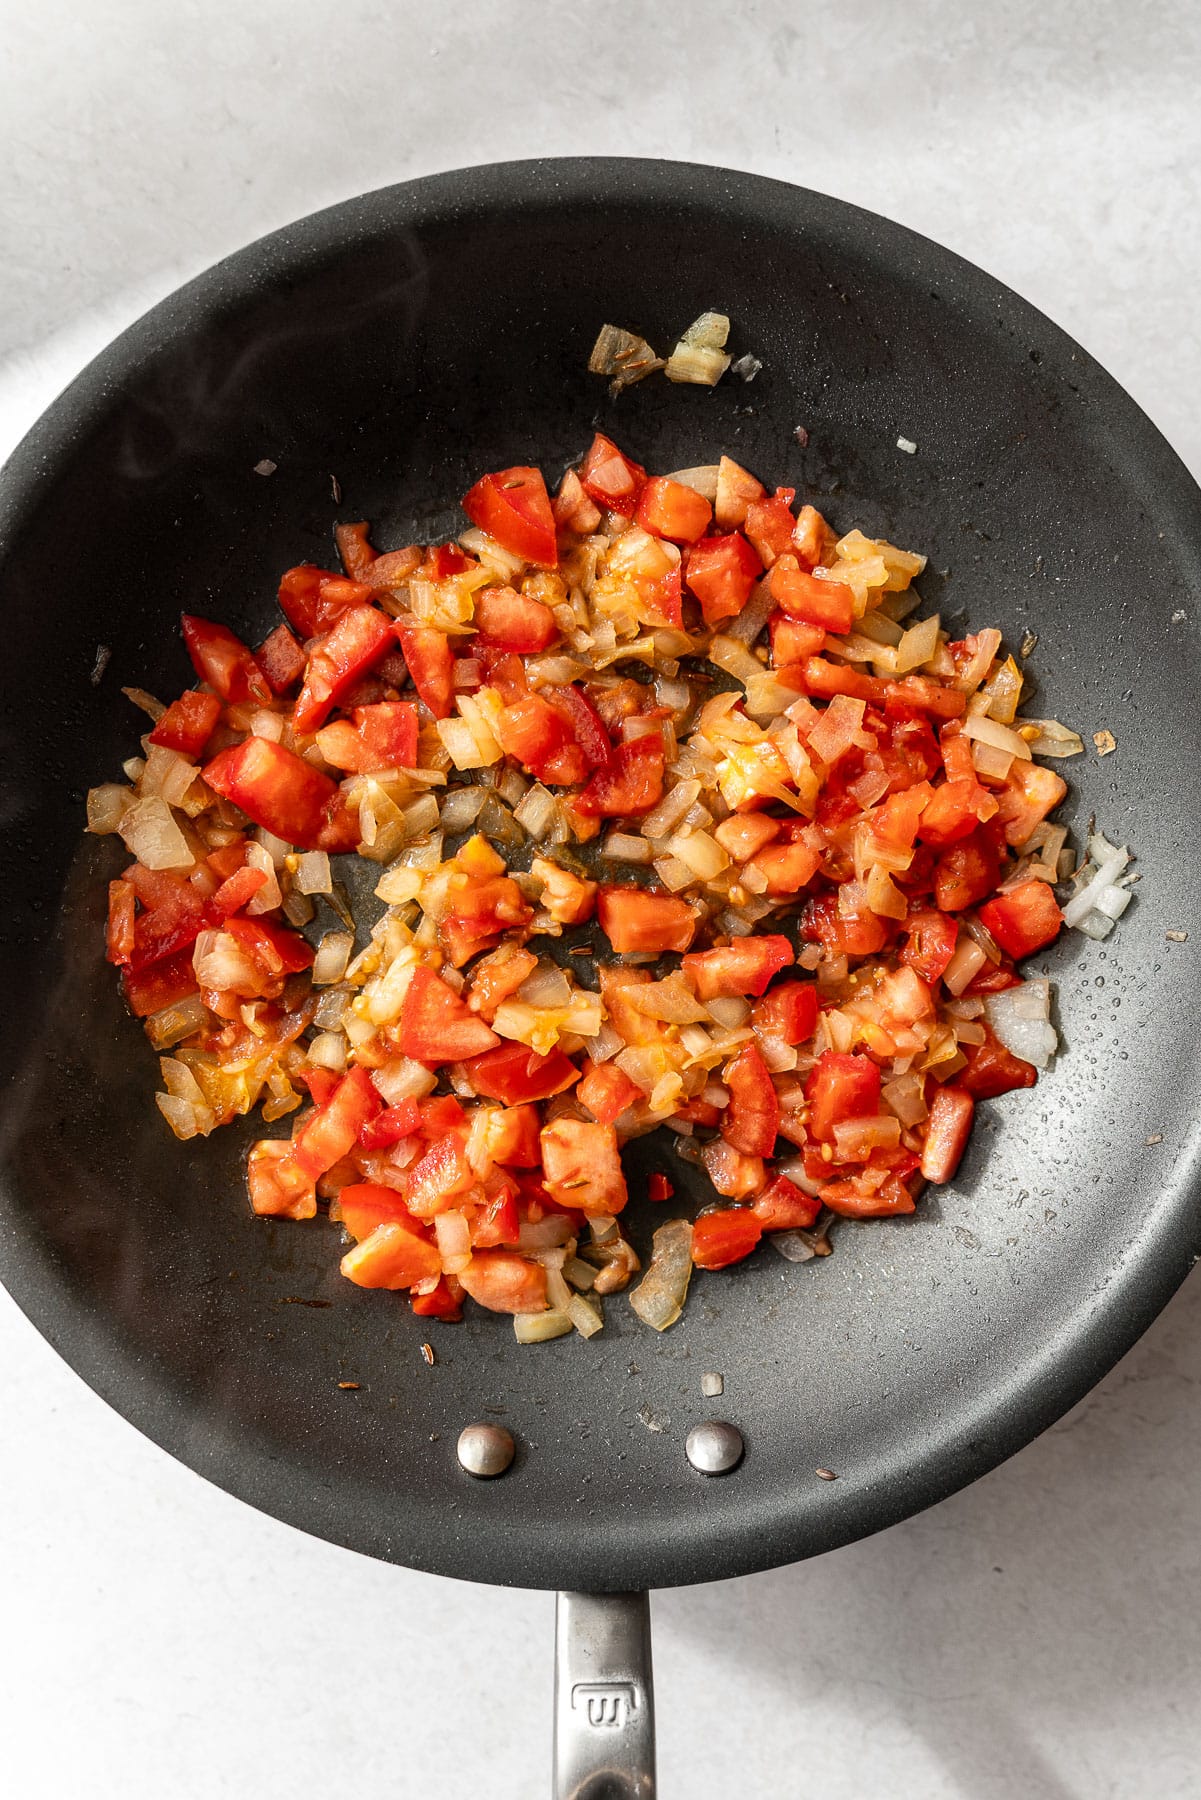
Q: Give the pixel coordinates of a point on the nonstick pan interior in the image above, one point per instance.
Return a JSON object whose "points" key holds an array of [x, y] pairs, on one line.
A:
{"points": [[403, 343]]}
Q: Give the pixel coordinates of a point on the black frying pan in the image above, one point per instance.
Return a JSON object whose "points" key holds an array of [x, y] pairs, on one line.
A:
{"points": [[404, 342]]}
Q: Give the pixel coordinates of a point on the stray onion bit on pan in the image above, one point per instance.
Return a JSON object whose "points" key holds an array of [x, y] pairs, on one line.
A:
{"points": [[1106, 742], [1176, 937], [265, 467], [682, 819], [699, 356]]}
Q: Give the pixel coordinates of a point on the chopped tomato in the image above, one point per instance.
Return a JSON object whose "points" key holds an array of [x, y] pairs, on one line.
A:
{"points": [[275, 949], [390, 1126], [358, 639], [853, 933], [736, 490], [724, 1237], [443, 1301], [632, 783], [477, 912], [188, 723], [967, 872], [588, 728], [840, 1087], [786, 868], [830, 604], [1029, 794], [513, 507], [395, 1255], [354, 548], [436, 1026], [500, 1221], [513, 621], [430, 661], [753, 1117], [789, 1012], [572, 508], [792, 641], [119, 935], [503, 1282], [363, 1205], [782, 1206], [534, 732], [769, 525], [513, 1137], [582, 1166], [743, 966], [824, 679], [160, 984], [441, 1177], [333, 1130], [607, 1091], [566, 897], [721, 572], [812, 538], [281, 659], [1024, 919], [514, 1074], [238, 891], [732, 1172], [311, 598], [274, 787], [930, 940], [442, 561], [864, 1197], [634, 920], [992, 1069], [496, 976], [668, 509], [611, 479], [223, 660], [947, 1131], [659, 1187], [277, 1188]]}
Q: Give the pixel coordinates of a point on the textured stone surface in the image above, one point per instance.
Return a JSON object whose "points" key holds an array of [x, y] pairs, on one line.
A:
{"points": [[1037, 1635]]}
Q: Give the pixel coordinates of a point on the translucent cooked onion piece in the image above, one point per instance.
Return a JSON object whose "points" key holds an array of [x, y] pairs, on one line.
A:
{"points": [[623, 355], [151, 833], [1021, 1018], [539, 1328], [659, 1297], [333, 955]]}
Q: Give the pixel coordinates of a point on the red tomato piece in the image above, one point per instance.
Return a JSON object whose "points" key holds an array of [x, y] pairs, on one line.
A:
{"points": [[930, 940], [388, 730], [1023, 920], [607, 1091], [786, 868], [430, 661], [442, 1176], [223, 661], [864, 1197], [950, 813], [792, 641], [668, 509], [632, 784], [437, 1027], [188, 723], [390, 1126], [847, 934], [789, 1012], [504, 1282], [512, 621], [967, 872], [947, 1131], [500, 1221], [311, 598], [281, 659], [840, 1087], [274, 787], [440, 1114], [276, 950], [725, 1236], [769, 524], [586, 725], [928, 695], [782, 1206], [721, 572], [813, 600], [396, 1255], [479, 912], [825, 679], [743, 966], [753, 1117], [634, 920], [444, 560], [572, 508], [658, 1187], [354, 548], [1029, 794], [357, 640], [119, 933], [365, 1204], [237, 891], [992, 1069], [582, 1168], [736, 489], [444, 1301], [514, 1074], [899, 818], [610, 479], [332, 1131], [533, 731], [173, 918], [513, 507], [161, 984], [513, 1138]]}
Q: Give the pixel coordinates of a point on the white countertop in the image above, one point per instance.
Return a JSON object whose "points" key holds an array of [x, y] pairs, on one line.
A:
{"points": [[1038, 1636]]}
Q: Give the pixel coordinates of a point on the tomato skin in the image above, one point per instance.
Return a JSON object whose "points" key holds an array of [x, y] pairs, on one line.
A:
{"points": [[992, 1069], [390, 1126], [857, 934], [724, 1237], [580, 715], [743, 966], [513, 507], [930, 940], [514, 1074], [274, 787], [824, 679], [788, 1012], [188, 723], [830, 604], [720, 572], [668, 509], [947, 1131], [607, 1091], [119, 932], [430, 661], [609, 478], [237, 891], [840, 1087], [1024, 920], [753, 1117], [357, 640], [634, 920], [223, 661], [782, 1206], [787, 868], [659, 1187], [436, 1026], [632, 784], [967, 872], [507, 620]]}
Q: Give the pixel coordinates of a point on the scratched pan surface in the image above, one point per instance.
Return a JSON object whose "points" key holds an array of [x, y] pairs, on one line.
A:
{"points": [[406, 341]]}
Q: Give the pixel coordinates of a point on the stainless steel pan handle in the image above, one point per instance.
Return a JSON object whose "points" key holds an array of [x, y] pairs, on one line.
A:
{"points": [[604, 1698]]}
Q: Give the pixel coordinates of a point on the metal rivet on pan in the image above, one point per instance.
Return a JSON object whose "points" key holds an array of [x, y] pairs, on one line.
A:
{"points": [[714, 1448], [485, 1450]]}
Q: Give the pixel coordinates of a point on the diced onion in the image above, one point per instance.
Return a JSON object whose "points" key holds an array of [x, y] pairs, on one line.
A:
{"points": [[174, 1023], [454, 1240], [404, 1079], [269, 895], [986, 730], [328, 1050], [150, 832], [702, 480], [618, 847], [1020, 1016], [1053, 739], [107, 806], [585, 1315], [333, 955], [539, 1328], [461, 808], [538, 812], [659, 1297], [313, 873]]}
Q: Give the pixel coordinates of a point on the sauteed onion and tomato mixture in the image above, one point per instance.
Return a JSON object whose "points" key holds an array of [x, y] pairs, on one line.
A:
{"points": [[680, 822]]}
